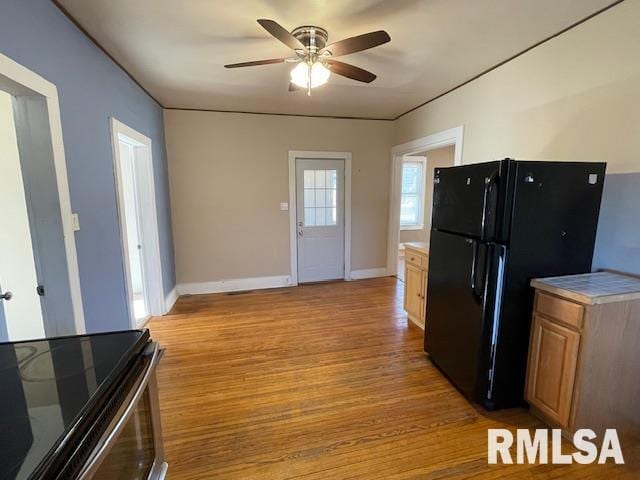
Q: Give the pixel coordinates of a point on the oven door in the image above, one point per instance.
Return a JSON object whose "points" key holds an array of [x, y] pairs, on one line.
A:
{"points": [[132, 446]]}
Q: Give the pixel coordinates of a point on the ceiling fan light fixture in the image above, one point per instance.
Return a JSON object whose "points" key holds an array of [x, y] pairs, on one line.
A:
{"points": [[317, 58], [319, 75]]}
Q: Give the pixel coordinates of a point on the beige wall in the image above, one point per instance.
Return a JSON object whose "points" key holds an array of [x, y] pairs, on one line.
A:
{"points": [[229, 172], [440, 157], [576, 97]]}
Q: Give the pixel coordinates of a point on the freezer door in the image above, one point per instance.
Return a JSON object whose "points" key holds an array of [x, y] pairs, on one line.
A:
{"points": [[555, 217], [454, 320], [465, 199]]}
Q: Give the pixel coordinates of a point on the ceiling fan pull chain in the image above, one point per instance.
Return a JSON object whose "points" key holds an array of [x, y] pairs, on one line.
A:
{"points": [[309, 81]]}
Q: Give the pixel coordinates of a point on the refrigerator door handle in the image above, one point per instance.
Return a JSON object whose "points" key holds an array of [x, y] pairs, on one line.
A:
{"points": [[474, 266], [473, 280], [489, 182], [474, 254], [497, 309]]}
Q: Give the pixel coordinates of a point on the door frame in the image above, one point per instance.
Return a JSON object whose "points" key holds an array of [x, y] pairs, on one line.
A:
{"points": [[148, 217], [293, 238], [452, 137], [20, 81]]}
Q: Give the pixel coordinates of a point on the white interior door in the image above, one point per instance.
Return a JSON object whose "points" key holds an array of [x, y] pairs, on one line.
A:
{"points": [[320, 219], [18, 278], [129, 203]]}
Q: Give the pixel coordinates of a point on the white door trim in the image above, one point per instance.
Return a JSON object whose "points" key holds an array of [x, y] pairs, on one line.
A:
{"points": [[151, 264], [293, 241], [453, 136], [19, 80]]}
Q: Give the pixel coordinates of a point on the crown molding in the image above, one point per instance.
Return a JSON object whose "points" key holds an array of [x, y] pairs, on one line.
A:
{"points": [[513, 57]]}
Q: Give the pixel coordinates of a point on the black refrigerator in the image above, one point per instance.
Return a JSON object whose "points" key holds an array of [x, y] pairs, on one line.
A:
{"points": [[495, 226]]}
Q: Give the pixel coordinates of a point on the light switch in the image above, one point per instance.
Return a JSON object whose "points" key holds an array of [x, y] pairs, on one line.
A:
{"points": [[284, 206], [75, 222]]}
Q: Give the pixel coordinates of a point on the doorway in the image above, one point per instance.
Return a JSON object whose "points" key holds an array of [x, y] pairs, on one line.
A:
{"points": [[20, 308], [411, 196], [416, 198], [320, 219], [39, 278], [320, 215], [133, 169]]}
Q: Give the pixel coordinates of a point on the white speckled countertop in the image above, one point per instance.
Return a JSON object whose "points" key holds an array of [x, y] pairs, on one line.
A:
{"points": [[592, 288]]}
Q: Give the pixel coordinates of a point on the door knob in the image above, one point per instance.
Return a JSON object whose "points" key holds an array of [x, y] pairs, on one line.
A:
{"points": [[6, 296]]}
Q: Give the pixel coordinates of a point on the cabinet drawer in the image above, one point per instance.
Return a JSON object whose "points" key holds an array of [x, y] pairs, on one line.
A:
{"points": [[416, 259], [562, 310]]}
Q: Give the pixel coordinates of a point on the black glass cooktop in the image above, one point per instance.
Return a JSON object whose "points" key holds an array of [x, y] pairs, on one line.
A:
{"points": [[48, 386]]}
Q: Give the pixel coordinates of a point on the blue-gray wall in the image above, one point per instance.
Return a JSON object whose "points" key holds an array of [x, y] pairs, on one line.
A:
{"points": [[92, 89], [618, 239]]}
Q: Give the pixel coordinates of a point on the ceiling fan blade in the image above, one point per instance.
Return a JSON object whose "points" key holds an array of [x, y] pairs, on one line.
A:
{"points": [[294, 88], [257, 62], [350, 71], [358, 43], [280, 33]]}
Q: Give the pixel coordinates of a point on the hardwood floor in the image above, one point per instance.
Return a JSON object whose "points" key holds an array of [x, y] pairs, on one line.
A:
{"points": [[324, 381]]}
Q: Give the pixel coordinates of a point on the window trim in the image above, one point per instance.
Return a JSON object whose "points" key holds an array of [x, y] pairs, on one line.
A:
{"points": [[423, 161]]}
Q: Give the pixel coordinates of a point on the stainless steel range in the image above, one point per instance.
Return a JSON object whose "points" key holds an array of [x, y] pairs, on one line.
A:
{"points": [[83, 407]]}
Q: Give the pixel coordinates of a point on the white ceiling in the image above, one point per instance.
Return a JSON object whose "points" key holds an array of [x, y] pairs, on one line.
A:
{"points": [[177, 48]]}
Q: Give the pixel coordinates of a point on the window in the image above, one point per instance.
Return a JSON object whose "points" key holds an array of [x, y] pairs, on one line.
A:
{"points": [[320, 202], [412, 196]]}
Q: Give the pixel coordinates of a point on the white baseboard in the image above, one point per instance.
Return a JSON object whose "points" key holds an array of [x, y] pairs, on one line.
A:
{"points": [[369, 273], [171, 299], [234, 285]]}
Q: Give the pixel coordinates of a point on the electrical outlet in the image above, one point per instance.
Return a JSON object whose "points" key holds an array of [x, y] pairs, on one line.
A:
{"points": [[75, 222]]}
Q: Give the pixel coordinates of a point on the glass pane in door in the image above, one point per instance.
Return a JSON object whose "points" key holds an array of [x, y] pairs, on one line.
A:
{"points": [[320, 199]]}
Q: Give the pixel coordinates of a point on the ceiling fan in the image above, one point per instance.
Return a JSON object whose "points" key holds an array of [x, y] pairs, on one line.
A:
{"points": [[315, 58]]}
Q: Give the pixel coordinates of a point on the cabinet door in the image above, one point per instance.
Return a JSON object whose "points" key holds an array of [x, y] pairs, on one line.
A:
{"points": [[423, 293], [553, 358], [413, 291]]}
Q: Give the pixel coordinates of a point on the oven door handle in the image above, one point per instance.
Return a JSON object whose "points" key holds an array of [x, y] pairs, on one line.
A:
{"points": [[106, 445]]}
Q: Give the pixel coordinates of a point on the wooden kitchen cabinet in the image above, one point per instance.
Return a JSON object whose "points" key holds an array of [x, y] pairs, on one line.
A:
{"points": [[583, 357], [553, 358], [415, 282]]}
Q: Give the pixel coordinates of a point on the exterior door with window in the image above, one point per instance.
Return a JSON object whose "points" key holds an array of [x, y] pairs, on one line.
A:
{"points": [[320, 219]]}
